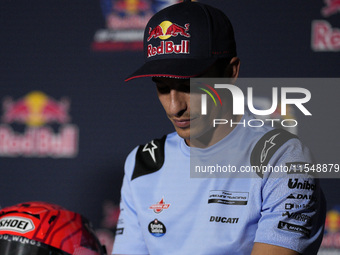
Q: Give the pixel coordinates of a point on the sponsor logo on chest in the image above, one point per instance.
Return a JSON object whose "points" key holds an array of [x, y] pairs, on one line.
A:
{"points": [[159, 206], [156, 228], [228, 197], [223, 219]]}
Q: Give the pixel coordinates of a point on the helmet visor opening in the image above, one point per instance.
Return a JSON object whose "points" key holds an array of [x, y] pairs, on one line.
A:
{"points": [[18, 245]]}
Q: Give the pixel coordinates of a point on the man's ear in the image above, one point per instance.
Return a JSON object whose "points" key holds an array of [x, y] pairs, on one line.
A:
{"points": [[232, 70]]}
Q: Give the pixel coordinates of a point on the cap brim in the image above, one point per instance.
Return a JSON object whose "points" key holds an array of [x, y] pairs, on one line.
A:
{"points": [[173, 68]]}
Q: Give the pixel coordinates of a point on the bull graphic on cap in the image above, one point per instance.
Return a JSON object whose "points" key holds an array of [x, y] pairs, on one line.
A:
{"points": [[167, 29]]}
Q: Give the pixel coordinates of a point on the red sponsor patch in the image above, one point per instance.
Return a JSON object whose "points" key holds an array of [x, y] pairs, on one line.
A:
{"points": [[160, 206]]}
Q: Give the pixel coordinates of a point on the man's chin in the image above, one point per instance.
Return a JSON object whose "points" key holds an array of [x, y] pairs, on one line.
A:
{"points": [[183, 132]]}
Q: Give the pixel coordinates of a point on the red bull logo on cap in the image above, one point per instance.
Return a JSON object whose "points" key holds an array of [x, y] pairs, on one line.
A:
{"points": [[167, 29], [36, 110], [164, 31]]}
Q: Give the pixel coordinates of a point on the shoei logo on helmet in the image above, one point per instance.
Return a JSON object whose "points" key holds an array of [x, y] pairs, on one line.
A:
{"points": [[16, 224], [164, 31]]}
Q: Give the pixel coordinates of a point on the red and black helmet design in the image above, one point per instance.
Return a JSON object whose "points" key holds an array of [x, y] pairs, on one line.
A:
{"points": [[40, 228]]}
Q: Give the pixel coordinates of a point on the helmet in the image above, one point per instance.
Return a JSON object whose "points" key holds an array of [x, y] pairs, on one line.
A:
{"points": [[40, 228]]}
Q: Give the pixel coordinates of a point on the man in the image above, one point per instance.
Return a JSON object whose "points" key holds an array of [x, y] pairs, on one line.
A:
{"points": [[41, 228], [163, 210]]}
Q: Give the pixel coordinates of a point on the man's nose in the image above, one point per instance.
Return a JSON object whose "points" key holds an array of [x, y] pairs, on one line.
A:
{"points": [[178, 104]]}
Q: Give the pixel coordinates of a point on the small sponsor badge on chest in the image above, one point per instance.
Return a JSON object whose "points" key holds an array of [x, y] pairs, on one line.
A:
{"points": [[157, 228]]}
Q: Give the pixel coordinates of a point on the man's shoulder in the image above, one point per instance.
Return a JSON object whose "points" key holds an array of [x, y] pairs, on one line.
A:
{"points": [[268, 145], [149, 158], [262, 135]]}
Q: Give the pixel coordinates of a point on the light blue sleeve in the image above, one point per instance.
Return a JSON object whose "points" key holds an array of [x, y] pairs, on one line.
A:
{"points": [[129, 238], [293, 205]]}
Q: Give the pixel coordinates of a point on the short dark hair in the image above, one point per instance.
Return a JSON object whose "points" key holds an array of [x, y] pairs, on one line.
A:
{"points": [[221, 65]]}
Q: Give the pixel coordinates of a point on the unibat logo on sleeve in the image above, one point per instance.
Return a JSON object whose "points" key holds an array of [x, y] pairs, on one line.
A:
{"points": [[295, 184]]}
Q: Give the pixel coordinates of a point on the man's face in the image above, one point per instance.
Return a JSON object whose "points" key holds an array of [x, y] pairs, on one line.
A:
{"points": [[184, 108], [174, 95]]}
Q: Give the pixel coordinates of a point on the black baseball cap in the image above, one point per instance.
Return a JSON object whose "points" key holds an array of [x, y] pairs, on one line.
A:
{"points": [[184, 40]]}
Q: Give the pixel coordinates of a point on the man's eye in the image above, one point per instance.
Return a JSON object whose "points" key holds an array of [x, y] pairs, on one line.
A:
{"points": [[163, 89], [185, 88]]}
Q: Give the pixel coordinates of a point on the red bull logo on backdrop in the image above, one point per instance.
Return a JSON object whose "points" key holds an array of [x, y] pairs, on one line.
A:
{"points": [[164, 31], [125, 22], [332, 7], [331, 239], [37, 111], [325, 36]]}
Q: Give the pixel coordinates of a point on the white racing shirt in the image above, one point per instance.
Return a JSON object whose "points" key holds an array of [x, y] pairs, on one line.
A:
{"points": [[165, 211]]}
